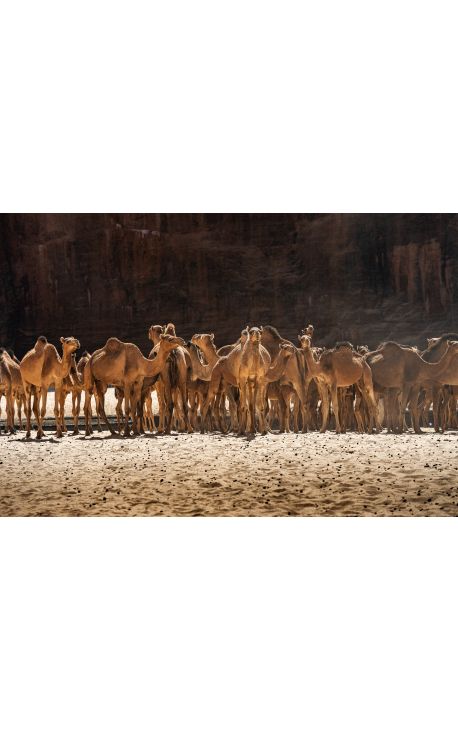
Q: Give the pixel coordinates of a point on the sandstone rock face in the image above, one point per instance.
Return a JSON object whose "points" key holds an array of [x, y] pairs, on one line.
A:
{"points": [[359, 277]]}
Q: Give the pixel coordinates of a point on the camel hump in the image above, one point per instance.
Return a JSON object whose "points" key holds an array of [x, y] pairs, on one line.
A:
{"points": [[40, 344], [113, 344], [344, 345]]}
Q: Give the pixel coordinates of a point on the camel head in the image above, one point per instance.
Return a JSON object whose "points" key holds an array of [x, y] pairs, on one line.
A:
{"points": [[169, 329], [167, 343], [309, 330], [453, 346], [254, 334], [203, 340], [286, 349], [305, 341], [154, 333], [432, 341], [69, 344], [362, 349]]}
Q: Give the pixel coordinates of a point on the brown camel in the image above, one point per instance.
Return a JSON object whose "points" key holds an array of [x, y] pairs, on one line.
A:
{"points": [[340, 368], [435, 386], [122, 364], [399, 369], [41, 368]]}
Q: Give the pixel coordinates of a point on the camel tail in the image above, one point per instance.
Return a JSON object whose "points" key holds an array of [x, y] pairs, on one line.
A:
{"points": [[173, 369]]}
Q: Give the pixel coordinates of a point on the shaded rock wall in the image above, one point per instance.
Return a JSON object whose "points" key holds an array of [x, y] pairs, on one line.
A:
{"points": [[364, 277]]}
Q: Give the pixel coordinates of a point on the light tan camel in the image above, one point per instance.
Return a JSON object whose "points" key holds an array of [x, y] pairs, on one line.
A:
{"points": [[172, 385], [6, 390], [254, 363], [122, 364], [13, 372], [41, 368], [224, 375], [295, 375], [340, 368], [73, 385]]}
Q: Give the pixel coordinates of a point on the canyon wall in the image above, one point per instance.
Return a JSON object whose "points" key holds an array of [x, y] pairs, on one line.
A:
{"points": [[359, 277]]}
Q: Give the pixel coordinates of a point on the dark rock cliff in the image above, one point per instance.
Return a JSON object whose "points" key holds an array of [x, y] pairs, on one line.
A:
{"points": [[360, 277]]}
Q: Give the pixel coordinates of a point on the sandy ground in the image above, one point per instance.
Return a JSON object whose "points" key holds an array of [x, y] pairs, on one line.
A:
{"points": [[181, 474]]}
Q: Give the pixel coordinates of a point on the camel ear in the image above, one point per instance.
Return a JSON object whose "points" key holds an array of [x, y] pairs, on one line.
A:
{"points": [[62, 339], [161, 336], [260, 329], [212, 336]]}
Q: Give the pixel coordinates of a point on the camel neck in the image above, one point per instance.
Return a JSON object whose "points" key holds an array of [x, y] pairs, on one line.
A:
{"points": [[153, 367], [199, 370], [210, 353], [277, 368], [310, 360], [436, 368], [66, 364]]}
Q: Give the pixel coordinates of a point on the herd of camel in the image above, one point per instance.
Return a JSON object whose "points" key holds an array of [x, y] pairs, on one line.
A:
{"points": [[260, 382]]}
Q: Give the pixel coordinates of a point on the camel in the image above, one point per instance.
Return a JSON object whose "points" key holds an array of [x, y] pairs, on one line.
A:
{"points": [[173, 386], [253, 362], [41, 367], [224, 374], [400, 369], [6, 389], [122, 364], [340, 368], [434, 385], [73, 384], [12, 371], [296, 375]]}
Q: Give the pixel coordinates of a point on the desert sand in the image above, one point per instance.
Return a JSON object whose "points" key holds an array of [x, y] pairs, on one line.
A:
{"points": [[212, 474]]}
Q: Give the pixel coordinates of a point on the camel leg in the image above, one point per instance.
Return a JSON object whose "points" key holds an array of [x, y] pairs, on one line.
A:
{"points": [[100, 405], [324, 394], [39, 409], [87, 413], [135, 398], [183, 387], [436, 405], [335, 406], [168, 407], [62, 399], [243, 406], [76, 406], [127, 409], [213, 389], [358, 414], [252, 393], [28, 408], [119, 413], [57, 398], [10, 411], [414, 409], [283, 408], [19, 411]]}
